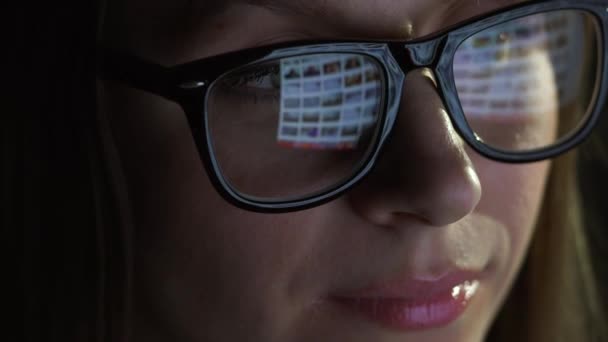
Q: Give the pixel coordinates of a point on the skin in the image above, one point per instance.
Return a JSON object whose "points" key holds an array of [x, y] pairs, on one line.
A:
{"points": [[207, 271]]}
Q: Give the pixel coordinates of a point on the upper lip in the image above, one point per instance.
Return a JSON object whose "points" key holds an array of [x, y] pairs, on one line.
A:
{"points": [[412, 288]]}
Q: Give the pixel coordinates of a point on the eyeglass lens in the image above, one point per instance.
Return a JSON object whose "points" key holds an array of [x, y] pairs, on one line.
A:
{"points": [[294, 127], [528, 83]]}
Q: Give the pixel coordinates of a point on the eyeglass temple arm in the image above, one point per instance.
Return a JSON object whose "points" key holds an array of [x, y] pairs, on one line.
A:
{"points": [[137, 73]]}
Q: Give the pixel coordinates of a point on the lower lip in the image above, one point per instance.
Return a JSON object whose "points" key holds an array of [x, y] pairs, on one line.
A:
{"points": [[413, 314]]}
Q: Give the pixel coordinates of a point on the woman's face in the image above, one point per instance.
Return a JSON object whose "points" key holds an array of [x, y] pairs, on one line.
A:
{"points": [[380, 263]]}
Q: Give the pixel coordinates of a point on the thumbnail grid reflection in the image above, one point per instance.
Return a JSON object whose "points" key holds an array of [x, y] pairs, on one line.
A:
{"points": [[506, 70], [516, 69], [328, 101]]}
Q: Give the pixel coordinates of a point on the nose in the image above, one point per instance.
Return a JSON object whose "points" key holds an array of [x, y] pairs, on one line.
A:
{"points": [[424, 171]]}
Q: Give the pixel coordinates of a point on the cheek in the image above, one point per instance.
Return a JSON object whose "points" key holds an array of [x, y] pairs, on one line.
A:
{"points": [[512, 193], [195, 255], [511, 196], [214, 265]]}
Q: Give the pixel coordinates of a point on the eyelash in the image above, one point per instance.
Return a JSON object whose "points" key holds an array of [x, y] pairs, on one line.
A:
{"points": [[257, 75], [237, 86]]}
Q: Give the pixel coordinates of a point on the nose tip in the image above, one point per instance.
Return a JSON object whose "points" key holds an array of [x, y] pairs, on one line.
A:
{"points": [[454, 198]]}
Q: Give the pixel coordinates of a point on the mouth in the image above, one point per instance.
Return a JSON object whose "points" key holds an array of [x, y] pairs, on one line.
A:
{"points": [[408, 304]]}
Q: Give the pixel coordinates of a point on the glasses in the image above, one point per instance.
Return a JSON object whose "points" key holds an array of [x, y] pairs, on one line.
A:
{"points": [[290, 126]]}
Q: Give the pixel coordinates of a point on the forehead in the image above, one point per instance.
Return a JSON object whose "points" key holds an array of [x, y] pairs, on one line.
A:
{"points": [[390, 17], [325, 7], [225, 25]]}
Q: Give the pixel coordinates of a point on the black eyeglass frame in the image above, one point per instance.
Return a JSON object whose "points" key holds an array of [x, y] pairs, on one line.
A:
{"points": [[188, 85]]}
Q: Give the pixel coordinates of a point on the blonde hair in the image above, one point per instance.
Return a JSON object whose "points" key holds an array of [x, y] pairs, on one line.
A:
{"points": [[556, 296]]}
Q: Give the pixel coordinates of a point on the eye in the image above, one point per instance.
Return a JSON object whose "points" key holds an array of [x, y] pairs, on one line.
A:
{"points": [[268, 81], [263, 78]]}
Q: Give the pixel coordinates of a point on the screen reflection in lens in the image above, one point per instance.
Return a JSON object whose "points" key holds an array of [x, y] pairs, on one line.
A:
{"points": [[292, 127], [523, 85]]}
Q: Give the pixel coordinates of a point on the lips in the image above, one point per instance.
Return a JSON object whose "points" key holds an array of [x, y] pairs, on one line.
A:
{"points": [[408, 303]]}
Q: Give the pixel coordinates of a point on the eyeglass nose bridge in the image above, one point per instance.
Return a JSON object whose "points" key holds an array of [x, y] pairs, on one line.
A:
{"points": [[418, 54], [429, 54]]}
